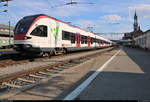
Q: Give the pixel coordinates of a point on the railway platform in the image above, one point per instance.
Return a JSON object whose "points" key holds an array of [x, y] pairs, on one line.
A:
{"points": [[126, 77]]}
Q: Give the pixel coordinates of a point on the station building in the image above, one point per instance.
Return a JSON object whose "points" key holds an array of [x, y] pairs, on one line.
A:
{"points": [[6, 36], [4, 30]]}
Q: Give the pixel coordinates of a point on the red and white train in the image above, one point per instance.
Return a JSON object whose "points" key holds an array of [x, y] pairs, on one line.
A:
{"points": [[48, 35]]}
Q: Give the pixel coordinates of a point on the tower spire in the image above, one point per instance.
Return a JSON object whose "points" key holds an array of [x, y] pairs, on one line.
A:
{"points": [[135, 22], [135, 15]]}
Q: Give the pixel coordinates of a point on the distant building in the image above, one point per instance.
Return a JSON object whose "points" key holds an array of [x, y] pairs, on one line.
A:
{"points": [[4, 30], [127, 36], [136, 30]]}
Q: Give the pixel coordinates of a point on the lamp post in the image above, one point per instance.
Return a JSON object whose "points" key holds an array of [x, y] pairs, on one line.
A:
{"points": [[8, 21], [9, 33]]}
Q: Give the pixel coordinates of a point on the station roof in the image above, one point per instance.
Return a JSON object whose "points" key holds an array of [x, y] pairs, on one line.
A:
{"points": [[5, 33], [147, 31], [3, 26]]}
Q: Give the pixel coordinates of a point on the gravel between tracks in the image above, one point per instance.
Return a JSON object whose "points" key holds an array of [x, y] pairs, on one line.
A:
{"points": [[10, 70]]}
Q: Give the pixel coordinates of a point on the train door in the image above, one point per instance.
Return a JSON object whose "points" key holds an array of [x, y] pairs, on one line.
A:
{"points": [[99, 43], [88, 41], [78, 40]]}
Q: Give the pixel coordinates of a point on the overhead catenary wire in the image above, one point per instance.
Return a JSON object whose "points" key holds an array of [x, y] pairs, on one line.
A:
{"points": [[71, 3]]}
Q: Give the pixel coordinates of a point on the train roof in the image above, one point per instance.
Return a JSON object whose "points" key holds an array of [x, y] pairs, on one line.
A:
{"points": [[34, 16], [37, 15]]}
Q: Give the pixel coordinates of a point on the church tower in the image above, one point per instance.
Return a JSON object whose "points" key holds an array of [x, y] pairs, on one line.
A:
{"points": [[135, 25]]}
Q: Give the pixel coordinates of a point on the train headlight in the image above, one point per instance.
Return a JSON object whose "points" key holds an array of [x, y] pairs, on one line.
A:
{"points": [[15, 46], [27, 37], [27, 46]]}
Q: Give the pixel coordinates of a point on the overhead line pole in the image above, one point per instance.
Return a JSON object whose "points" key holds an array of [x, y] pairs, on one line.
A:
{"points": [[8, 23]]}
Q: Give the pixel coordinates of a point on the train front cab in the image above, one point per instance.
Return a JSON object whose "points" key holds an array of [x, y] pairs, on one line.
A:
{"points": [[31, 36]]}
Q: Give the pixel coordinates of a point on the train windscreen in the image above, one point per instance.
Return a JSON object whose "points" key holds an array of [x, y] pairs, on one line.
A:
{"points": [[23, 25]]}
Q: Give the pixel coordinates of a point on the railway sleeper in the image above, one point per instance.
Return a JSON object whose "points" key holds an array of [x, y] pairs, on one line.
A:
{"points": [[52, 71], [45, 73], [25, 80], [69, 65], [35, 76], [30, 78], [11, 85], [57, 68], [63, 67]]}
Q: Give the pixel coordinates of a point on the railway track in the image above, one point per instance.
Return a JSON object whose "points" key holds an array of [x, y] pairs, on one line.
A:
{"points": [[16, 58], [11, 59], [13, 84]]}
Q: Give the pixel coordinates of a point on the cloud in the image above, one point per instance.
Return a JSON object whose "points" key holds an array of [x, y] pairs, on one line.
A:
{"points": [[111, 18]]}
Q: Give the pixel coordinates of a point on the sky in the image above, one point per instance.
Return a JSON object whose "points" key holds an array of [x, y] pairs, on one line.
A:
{"points": [[104, 16]]}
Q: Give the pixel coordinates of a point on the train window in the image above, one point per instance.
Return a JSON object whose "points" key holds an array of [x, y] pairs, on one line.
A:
{"points": [[95, 40], [85, 39], [73, 38], [82, 39], [101, 41], [65, 35], [92, 40], [23, 25], [40, 31]]}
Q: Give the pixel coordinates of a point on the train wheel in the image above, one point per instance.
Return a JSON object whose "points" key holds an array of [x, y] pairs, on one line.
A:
{"points": [[43, 54], [64, 51], [50, 53], [55, 52], [59, 51]]}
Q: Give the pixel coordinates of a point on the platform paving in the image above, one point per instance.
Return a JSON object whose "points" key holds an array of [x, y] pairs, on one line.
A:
{"points": [[127, 77]]}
